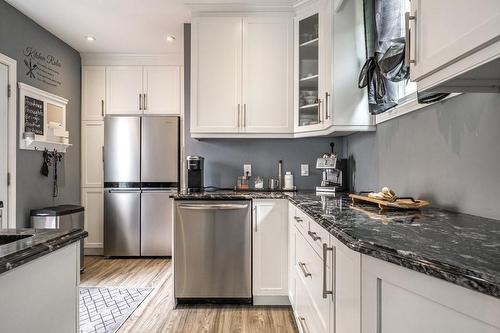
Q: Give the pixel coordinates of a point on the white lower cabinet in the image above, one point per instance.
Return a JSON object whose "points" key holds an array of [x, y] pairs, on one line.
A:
{"points": [[339, 290], [93, 202], [270, 248], [47, 290], [395, 300], [311, 276], [347, 275]]}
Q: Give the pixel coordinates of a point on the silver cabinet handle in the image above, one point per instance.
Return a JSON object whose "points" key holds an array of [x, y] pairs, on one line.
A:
{"points": [[408, 59], [304, 269], [213, 206], [102, 155], [319, 111], [239, 115], [145, 102], [298, 219], [102, 107], [255, 218], [303, 325], [327, 292], [140, 101], [314, 235], [327, 97], [245, 115]]}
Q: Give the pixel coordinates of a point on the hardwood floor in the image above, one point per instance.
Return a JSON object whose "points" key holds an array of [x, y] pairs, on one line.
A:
{"points": [[157, 313]]}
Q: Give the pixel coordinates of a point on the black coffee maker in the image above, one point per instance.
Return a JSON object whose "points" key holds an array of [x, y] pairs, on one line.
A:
{"points": [[195, 174]]}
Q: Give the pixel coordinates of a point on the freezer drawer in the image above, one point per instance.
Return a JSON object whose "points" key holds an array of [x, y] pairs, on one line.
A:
{"points": [[122, 223], [156, 223], [160, 150], [122, 149], [212, 246]]}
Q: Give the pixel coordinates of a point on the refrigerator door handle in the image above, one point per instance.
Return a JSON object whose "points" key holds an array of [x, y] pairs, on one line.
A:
{"points": [[125, 190], [213, 207]]}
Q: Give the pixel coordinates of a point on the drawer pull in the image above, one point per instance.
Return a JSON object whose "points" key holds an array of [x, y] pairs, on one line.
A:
{"points": [[303, 325], [327, 292], [304, 269], [314, 236], [298, 219]]}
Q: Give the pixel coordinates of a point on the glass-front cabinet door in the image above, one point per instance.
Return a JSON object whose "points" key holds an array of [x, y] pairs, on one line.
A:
{"points": [[309, 104], [313, 68]]}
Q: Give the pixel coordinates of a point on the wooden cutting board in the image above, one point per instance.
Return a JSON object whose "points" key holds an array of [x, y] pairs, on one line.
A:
{"points": [[383, 204]]}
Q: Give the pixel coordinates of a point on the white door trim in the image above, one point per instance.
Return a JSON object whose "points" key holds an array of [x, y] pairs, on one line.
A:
{"points": [[11, 128]]}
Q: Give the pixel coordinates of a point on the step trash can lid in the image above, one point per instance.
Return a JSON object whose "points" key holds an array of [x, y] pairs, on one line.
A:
{"points": [[57, 210]]}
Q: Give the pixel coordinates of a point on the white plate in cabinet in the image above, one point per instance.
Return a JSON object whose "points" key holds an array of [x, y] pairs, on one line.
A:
{"points": [[93, 92], [429, 304], [216, 75], [450, 39], [92, 149], [124, 90], [270, 247], [267, 75], [93, 202], [162, 90]]}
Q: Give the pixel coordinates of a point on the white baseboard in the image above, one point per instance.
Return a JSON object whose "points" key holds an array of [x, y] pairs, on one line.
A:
{"points": [[93, 251], [271, 300]]}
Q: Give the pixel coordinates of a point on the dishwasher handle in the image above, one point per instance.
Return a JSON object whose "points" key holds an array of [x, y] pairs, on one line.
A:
{"points": [[213, 206]]}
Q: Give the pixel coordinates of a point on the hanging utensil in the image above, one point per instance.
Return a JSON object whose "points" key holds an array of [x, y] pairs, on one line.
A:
{"points": [[44, 170]]}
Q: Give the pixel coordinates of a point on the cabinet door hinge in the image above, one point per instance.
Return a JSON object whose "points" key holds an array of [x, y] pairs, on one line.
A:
{"points": [[8, 90]]}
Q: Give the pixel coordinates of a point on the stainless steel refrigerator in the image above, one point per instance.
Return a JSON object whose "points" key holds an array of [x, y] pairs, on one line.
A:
{"points": [[141, 171]]}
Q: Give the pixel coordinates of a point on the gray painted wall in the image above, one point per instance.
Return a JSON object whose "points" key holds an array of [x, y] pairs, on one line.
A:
{"points": [[224, 158], [33, 190], [448, 152]]}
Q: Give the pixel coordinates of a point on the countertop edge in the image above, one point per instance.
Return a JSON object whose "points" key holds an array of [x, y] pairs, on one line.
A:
{"points": [[24, 256]]}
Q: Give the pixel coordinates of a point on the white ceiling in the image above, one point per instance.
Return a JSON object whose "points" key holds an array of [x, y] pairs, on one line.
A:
{"points": [[119, 26]]}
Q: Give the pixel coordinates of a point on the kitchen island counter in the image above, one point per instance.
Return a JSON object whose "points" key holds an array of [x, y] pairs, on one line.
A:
{"points": [[32, 244]]}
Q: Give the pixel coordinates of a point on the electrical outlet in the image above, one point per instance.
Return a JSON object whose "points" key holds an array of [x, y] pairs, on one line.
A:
{"points": [[247, 169], [304, 169]]}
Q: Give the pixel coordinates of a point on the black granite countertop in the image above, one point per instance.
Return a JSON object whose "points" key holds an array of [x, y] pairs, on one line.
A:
{"points": [[37, 243], [460, 248]]}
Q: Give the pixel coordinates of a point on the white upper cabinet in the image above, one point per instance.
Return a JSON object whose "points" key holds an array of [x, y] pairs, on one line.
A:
{"points": [[267, 75], [124, 90], [241, 78], [270, 249], [329, 53], [143, 90], [216, 75], [455, 45], [162, 90], [93, 92]]}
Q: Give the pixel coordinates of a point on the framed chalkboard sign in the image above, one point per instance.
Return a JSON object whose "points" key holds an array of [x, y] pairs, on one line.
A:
{"points": [[33, 115], [42, 120]]}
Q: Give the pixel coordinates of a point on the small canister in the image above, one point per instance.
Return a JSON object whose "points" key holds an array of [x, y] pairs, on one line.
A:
{"points": [[288, 181]]}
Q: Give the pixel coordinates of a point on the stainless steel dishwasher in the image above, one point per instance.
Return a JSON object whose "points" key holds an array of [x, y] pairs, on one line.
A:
{"points": [[213, 251]]}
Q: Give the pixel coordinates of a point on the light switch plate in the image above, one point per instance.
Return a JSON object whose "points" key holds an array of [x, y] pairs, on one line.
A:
{"points": [[247, 168], [304, 169]]}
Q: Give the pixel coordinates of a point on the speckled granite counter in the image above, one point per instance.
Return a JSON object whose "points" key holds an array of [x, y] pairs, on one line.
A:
{"points": [[459, 248], [38, 242]]}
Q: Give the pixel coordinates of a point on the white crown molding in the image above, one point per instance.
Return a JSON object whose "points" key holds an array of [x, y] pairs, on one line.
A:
{"points": [[271, 6], [117, 59]]}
